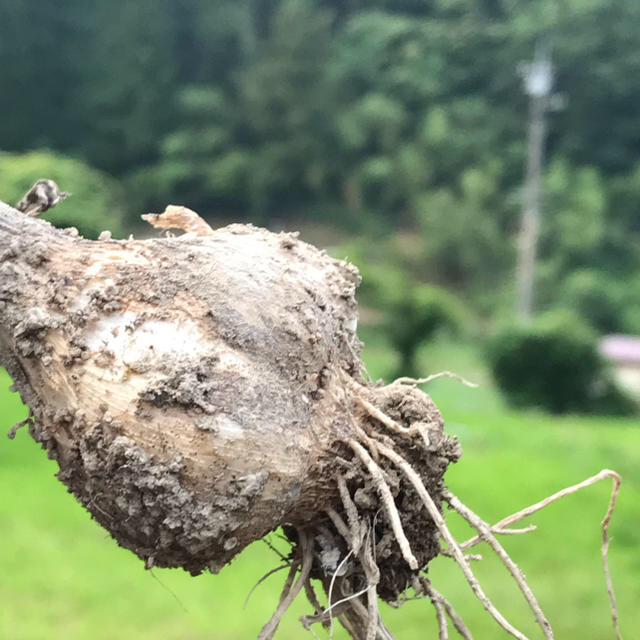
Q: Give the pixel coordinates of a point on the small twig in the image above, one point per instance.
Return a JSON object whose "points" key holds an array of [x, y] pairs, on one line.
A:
{"points": [[179, 217], [435, 376], [42, 196], [485, 532], [387, 500]]}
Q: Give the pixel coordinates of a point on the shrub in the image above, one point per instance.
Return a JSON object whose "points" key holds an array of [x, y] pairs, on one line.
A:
{"points": [[552, 362], [95, 203]]}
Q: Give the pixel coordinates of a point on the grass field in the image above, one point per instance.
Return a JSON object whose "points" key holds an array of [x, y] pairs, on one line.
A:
{"points": [[62, 577]]}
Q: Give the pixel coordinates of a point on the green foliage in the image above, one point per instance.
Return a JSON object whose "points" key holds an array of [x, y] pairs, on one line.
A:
{"points": [[574, 221], [553, 363], [406, 311], [598, 299], [460, 233], [417, 315], [366, 115], [95, 203], [199, 162]]}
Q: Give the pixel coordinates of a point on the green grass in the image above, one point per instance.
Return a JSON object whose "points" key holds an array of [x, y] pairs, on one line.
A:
{"points": [[63, 577]]}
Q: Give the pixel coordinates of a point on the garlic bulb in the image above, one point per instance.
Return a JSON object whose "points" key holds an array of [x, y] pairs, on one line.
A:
{"points": [[199, 391]]}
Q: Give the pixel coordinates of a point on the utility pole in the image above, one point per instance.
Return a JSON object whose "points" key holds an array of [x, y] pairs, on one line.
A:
{"points": [[538, 82]]}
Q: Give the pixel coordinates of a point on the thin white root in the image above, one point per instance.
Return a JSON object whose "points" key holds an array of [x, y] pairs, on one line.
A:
{"points": [[367, 618], [337, 603], [471, 557], [313, 599], [435, 514], [381, 416], [523, 513], [264, 577], [514, 532], [357, 532], [456, 620], [486, 534], [605, 549], [329, 609], [289, 592], [443, 626], [435, 376], [372, 574], [387, 500], [341, 526]]}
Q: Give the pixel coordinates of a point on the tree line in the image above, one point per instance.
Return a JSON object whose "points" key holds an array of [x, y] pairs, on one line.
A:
{"points": [[375, 116]]}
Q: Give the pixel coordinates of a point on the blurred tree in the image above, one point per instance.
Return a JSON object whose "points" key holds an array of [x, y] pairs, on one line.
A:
{"points": [[125, 91], [200, 164], [264, 143], [578, 258], [574, 225], [39, 66], [416, 315], [460, 234], [215, 39], [287, 106], [598, 299]]}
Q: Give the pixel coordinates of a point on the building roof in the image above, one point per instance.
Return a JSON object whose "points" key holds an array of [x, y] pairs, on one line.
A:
{"points": [[621, 349]]}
